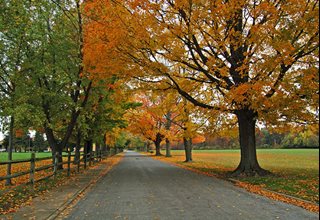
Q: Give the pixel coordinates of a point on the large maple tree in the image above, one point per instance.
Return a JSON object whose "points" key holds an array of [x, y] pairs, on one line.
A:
{"points": [[253, 59]]}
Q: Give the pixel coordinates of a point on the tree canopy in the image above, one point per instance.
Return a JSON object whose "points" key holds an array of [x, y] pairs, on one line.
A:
{"points": [[249, 60], [197, 65]]}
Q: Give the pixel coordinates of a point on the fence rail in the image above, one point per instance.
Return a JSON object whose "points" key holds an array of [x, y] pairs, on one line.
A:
{"points": [[84, 161]]}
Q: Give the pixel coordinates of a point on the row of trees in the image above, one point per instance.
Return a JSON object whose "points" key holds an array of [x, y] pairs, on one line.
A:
{"points": [[44, 82], [243, 62], [66, 67], [26, 142], [265, 139]]}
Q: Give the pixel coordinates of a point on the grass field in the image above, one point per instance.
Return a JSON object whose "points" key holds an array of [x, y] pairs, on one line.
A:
{"points": [[296, 170], [20, 156]]}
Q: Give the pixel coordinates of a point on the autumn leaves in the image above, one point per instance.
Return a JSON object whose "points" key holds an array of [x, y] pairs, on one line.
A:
{"points": [[239, 62], [246, 60]]}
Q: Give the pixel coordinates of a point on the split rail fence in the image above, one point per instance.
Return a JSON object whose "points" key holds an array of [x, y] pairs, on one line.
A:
{"points": [[84, 161]]}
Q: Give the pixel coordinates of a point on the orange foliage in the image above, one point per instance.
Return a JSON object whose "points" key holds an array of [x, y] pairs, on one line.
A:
{"points": [[19, 133], [198, 139], [214, 64]]}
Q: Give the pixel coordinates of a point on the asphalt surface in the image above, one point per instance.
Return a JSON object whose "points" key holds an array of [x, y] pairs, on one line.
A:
{"points": [[143, 188]]}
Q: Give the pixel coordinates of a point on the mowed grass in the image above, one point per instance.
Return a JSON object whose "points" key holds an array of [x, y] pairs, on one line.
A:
{"points": [[22, 156], [296, 171]]}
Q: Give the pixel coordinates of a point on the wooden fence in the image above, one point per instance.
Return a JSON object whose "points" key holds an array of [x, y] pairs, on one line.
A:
{"points": [[84, 161]]}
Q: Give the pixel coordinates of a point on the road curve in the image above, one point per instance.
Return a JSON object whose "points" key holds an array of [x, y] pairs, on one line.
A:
{"points": [[142, 188]]}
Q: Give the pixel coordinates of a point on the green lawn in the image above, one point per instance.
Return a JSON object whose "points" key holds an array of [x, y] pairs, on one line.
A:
{"points": [[289, 159], [20, 156], [296, 170]]}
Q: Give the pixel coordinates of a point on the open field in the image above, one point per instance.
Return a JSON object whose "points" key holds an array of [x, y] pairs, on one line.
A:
{"points": [[296, 170], [20, 156]]}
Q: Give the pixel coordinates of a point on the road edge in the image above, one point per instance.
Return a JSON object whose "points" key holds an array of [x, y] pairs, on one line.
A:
{"points": [[307, 205], [83, 190]]}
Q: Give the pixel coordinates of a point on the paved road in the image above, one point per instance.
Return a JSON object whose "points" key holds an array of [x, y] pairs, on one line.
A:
{"points": [[142, 188]]}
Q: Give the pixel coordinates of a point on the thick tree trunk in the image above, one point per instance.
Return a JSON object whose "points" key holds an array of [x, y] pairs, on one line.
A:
{"points": [[188, 149], [168, 126], [157, 143], [55, 146], [78, 146], [98, 147], [10, 147], [168, 148], [57, 149], [88, 148], [249, 165], [105, 148]]}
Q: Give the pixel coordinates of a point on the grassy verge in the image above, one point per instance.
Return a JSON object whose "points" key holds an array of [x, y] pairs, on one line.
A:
{"points": [[22, 195], [296, 171], [23, 155]]}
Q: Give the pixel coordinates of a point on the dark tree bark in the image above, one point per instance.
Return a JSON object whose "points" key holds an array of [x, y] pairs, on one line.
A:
{"points": [[78, 146], [55, 146], [10, 147], [188, 149], [105, 148], [167, 126], [249, 165], [168, 148], [88, 148], [157, 143], [98, 148]]}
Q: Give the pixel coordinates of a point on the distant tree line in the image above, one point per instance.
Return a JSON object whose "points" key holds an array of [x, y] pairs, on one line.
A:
{"points": [[25, 143], [264, 138]]}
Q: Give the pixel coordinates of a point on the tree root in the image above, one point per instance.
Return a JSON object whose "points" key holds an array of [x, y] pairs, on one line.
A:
{"points": [[243, 172]]}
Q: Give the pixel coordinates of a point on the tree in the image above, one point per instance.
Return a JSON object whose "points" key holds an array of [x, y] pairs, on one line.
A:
{"points": [[190, 122], [14, 35], [104, 112], [249, 59], [54, 74], [39, 143], [147, 122]]}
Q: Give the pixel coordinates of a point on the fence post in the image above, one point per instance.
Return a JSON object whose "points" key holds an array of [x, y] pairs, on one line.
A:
{"points": [[32, 167], [8, 181], [85, 160], [55, 167], [69, 162]]}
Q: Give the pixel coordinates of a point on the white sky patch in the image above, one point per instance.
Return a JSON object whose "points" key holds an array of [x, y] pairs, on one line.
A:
{"points": [[1, 136]]}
